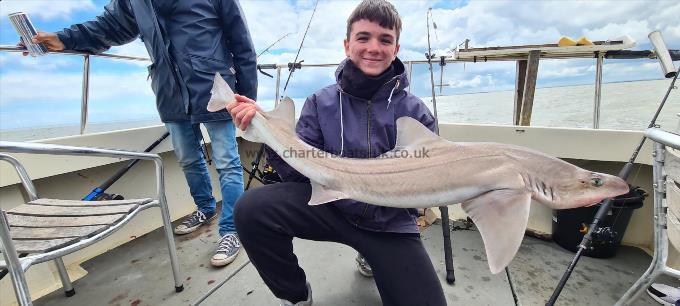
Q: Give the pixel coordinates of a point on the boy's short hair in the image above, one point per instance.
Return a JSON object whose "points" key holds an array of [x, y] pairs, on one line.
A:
{"points": [[378, 11]]}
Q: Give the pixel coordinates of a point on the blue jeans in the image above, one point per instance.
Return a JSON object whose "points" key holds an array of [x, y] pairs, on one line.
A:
{"points": [[227, 161]]}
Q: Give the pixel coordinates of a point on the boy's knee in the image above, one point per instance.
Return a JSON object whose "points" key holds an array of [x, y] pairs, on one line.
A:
{"points": [[248, 206]]}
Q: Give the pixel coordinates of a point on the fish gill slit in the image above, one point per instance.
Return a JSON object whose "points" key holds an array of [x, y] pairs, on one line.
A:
{"points": [[537, 185], [552, 194], [544, 189]]}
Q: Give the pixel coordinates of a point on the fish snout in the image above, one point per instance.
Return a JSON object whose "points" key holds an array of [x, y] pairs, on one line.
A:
{"points": [[611, 187], [592, 191], [616, 186]]}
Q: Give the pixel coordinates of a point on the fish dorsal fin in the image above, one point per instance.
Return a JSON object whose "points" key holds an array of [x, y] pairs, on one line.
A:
{"points": [[220, 94], [413, 134], [501, 217], [283, 116]]}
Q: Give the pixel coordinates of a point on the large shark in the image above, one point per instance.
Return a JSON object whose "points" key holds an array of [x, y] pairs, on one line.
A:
{"points": [[494, 182]]}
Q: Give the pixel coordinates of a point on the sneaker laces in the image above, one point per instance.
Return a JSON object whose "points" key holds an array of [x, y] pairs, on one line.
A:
{"points": [[228, 242], [196, 217]]}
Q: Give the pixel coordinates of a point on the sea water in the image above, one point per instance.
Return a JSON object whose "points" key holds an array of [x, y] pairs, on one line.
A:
{"points": [[624, 106]]}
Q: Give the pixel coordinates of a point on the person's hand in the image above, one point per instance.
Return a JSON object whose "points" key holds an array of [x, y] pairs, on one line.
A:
{"points": [[242, 111], [50, 40]]}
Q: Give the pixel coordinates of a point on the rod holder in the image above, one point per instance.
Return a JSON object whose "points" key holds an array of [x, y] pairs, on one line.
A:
{"points": [[662, 54]]}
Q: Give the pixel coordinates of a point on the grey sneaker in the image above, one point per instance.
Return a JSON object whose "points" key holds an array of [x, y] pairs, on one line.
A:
{"points": [[664, 294], [363, 266], [308, 302], [195, 220], [227, 250]]}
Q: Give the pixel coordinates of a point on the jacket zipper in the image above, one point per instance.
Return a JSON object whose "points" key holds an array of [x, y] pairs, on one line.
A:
{"points": [[368, 121], [368, 136]]}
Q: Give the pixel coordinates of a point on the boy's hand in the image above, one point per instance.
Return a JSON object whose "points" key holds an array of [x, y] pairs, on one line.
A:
{"points": [[242, 111], [50, 40]]}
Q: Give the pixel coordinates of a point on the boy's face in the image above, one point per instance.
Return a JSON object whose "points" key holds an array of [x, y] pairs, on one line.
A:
{"points": [[371, 47]]}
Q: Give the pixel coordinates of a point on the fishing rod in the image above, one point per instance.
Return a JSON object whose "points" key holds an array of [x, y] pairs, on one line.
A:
{"points": [[666, 64], [292, 67], [295, 63], [444, 210], [98, 193], [274, 43], [254, 171], [260, 67]]}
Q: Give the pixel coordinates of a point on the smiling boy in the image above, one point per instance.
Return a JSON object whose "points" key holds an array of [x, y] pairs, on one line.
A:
{"points": [[356, 117]]}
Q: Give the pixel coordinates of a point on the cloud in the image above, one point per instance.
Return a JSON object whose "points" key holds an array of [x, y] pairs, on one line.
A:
{"points": [[474, 82], [48, 10], [637, 29], [17, 62], [489, 23], [135, 48], [485, 23]]}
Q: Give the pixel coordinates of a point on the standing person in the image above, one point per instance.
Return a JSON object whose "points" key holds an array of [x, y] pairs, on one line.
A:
{"points": [[188, 42], [356, 117]]}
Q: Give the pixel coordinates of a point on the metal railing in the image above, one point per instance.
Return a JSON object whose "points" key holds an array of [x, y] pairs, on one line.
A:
{"points": [[409, 64], [658, 266]]}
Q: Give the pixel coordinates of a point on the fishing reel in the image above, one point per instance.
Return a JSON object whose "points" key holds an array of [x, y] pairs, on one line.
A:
{"points": [[602, 235], [269, 175], [108, 196]]}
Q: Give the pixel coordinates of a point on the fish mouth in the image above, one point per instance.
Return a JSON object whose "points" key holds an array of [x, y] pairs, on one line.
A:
{"points": [[595, 203]]}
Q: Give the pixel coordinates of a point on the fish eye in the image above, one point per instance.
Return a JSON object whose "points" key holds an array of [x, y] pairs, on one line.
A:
{"points": [[596, 182]]}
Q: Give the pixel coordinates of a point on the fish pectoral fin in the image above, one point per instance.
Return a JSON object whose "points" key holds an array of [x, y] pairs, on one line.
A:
{"points": [[322, 195], [501, 217]]}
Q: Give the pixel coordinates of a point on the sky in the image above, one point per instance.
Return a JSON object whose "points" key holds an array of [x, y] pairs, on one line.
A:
{"points": [[46, 91]]}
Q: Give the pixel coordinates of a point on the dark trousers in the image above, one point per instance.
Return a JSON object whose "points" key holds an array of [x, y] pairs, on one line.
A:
{"points": [[267, 218]]}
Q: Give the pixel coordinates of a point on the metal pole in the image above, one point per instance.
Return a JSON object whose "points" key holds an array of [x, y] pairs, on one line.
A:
{"points": [[278, 84], [444, 210], [441, 76], [410, 75], [167, 224], [66, 284], [598, 90], [660, 239], [85, 94], [13, 263]]}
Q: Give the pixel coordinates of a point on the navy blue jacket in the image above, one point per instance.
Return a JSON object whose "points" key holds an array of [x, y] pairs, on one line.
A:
{"points": [[188, 41], [369, 130]]}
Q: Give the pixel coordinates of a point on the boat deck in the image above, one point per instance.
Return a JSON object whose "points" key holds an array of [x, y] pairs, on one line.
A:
{"points": [[138, 273]]}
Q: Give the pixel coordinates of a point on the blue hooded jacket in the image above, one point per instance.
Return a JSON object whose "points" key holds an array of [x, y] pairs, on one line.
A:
{"points": [[188, 41], [336, 122]]}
